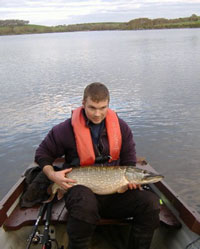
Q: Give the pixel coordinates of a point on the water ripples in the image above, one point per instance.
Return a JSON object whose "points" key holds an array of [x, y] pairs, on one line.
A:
{"points": [[153, 77]]}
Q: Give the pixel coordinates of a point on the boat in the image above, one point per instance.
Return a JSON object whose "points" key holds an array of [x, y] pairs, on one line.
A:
{"points": [[179, 224]]}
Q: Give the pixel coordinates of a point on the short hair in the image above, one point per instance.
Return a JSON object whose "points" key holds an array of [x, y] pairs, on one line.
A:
{"points": [[97, 92]]}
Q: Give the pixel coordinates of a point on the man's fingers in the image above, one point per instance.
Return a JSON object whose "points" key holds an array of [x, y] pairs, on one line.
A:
{"points": [[134, 186], [66, 185], [67, 170], [140, 187], [131, 186], [70, 180]]}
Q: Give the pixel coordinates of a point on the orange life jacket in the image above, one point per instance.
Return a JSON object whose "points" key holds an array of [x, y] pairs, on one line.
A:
{"points": [[83, 137]]}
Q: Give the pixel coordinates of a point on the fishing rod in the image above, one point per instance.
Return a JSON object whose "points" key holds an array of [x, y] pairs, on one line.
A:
{"points": [[35, 227], [46, 240], [43, 238]]}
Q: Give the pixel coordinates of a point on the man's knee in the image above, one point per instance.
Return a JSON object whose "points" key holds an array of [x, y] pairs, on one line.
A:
{"points": [[81, 203], [143, 201], [149, 218], [152, 202]]}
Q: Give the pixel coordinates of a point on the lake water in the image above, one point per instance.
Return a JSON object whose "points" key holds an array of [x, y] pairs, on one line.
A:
{"points": [[154, 81]]}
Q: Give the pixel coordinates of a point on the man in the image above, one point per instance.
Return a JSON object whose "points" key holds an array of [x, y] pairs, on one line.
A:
{"points": [[95, 135]]}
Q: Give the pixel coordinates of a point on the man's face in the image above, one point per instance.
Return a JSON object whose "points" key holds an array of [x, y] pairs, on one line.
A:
{"points": [[95, 111]]}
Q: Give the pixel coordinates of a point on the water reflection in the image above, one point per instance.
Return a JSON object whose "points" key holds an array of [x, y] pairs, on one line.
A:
{"points": [[153, 77]]}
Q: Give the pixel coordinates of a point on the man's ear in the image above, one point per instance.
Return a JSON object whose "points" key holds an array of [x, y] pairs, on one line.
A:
{"points": [[83, 103]]}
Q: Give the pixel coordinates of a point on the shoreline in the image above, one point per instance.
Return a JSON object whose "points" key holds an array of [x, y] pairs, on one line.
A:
{"points": [[50, 32], [19, 27]]}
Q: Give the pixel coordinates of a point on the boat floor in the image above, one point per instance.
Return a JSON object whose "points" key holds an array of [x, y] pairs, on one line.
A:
{"points": [[105, 237], [109, 234], [116, 237]]}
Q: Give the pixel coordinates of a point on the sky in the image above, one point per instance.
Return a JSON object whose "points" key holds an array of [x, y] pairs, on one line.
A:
{"points": [[59, 12]]}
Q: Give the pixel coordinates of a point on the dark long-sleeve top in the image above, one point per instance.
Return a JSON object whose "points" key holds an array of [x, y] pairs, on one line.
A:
{"points": [[60, 141]]}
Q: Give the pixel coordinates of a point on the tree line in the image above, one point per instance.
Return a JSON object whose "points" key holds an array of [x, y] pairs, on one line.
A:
{"points": [[13, 22], [23, 27], [159, 23]]}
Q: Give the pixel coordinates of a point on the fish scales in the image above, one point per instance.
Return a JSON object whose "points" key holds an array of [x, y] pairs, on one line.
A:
{"points": [[104, 180], [100, 179]]}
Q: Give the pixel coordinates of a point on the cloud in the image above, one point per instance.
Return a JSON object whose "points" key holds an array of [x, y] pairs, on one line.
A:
{"points": [[40, 10], [77, 11]]}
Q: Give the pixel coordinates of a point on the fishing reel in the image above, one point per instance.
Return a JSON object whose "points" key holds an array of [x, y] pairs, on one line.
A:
{"points": [[39, 239], [44, 239]]}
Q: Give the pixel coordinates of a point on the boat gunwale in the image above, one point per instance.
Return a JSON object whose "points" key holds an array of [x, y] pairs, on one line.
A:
{"points": [[10, 198], [187, 214]]}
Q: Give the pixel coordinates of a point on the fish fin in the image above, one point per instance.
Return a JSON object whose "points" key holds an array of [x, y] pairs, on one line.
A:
{"points": [[50, 192], [122, 189], [60, 193], [50, 198], [52, 189]]}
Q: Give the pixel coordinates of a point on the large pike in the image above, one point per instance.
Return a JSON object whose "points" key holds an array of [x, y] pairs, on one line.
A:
{"points": [[104, 180]]}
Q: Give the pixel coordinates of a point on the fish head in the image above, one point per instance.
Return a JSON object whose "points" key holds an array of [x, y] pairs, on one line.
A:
{"points": [[140, 176]]}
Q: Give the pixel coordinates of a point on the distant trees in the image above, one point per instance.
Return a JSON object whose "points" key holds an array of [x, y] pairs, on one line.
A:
{"points": [[23, 27], [135, 24], [12, 22], [194, 17], [159, 23], [92, 26], [140, 23]]}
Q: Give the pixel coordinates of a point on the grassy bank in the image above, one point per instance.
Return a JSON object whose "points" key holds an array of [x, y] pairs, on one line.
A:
{"points": [[24, 29], [135, 24]]}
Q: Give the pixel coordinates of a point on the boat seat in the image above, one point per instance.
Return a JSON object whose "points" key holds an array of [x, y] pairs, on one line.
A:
{"points": [[26, 217]]}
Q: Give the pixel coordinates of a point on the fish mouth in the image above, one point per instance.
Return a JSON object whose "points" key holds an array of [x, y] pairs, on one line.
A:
{"points": [[152, 179], [140, 176]]}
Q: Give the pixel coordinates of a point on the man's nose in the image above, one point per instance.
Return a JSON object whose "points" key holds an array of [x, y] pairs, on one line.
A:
{"points": [[97, 112]]}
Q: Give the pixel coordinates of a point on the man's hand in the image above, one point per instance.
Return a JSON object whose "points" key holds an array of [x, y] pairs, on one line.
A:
{"points": [[134, 186], [59, 177]]}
